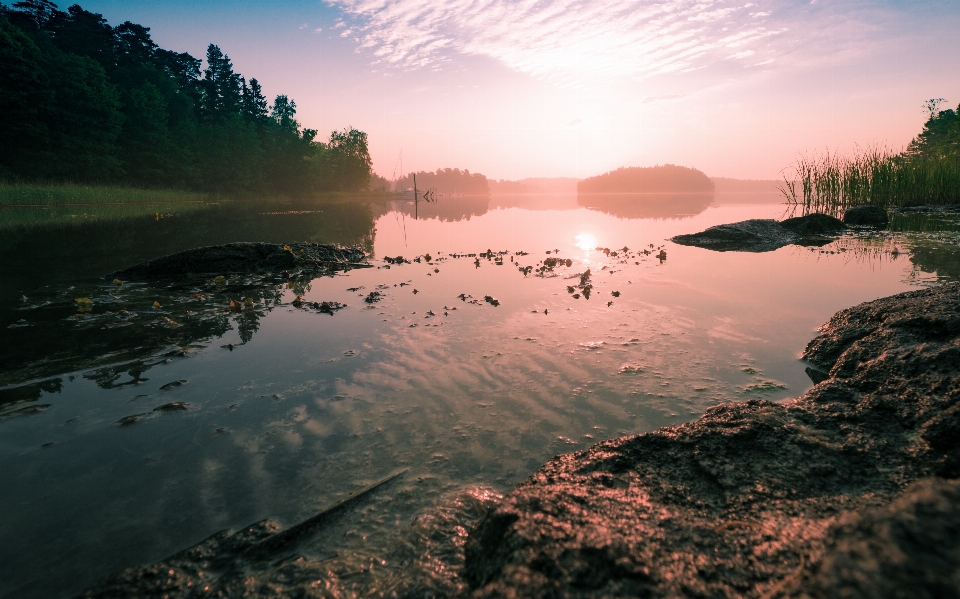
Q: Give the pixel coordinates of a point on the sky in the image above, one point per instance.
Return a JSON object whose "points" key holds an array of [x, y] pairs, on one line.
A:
{"points": [[575, 88]]}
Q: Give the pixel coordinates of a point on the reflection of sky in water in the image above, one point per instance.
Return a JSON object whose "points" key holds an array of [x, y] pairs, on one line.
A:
{"points": [[461, 392]]}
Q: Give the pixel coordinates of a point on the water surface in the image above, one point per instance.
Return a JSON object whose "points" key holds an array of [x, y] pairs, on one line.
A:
{"points": [[291, 409]]}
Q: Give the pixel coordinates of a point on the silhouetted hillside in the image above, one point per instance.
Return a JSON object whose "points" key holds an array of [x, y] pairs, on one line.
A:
{"points": [[668, 178]]}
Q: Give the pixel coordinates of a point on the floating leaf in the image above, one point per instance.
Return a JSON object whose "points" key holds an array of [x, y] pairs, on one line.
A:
{"points": [[156, 305], [173, 323], [117, 282], [84, 301]]}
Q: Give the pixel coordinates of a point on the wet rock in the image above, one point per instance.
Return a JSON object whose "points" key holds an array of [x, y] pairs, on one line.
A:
{"points": [[755, 235], [870, 216], [908, 549], [805, 498], [128, 420], [246, 258], [173, 406], [173, 385], [814, 224]]}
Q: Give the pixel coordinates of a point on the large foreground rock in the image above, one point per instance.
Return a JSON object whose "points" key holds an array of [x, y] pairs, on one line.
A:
{"points": [[755, 235], [807, 498], [765, 235], [246, 258], [814, 224], [869, 216]]}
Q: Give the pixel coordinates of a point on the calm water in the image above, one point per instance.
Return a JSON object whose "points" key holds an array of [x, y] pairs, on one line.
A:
{"points": [[291, 409]]}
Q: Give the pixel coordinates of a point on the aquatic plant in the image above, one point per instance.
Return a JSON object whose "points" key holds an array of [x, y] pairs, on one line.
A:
{"points": [[832, 183]]}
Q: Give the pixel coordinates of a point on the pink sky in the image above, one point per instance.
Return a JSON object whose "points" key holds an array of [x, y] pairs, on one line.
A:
{"points": [[540, 88]]}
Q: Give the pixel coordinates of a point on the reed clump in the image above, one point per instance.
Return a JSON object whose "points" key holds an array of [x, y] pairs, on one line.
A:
{"points": [[832, 183]]}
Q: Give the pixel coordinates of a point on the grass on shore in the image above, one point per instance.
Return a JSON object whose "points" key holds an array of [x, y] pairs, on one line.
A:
{"points": [[33, 204], [832, 183], [39, 194]]}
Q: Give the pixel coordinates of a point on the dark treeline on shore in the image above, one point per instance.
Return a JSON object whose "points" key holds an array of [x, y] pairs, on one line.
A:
{"points": [[940, 138], [668, 178], [83, 101], [448, 181]]}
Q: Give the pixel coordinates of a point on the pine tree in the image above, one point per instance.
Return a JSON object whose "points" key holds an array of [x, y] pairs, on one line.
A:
{"points": [[221, 86], [254, 103]]}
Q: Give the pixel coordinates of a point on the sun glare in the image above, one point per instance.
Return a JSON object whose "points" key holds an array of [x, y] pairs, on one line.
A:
{"points": [[586, 241]]}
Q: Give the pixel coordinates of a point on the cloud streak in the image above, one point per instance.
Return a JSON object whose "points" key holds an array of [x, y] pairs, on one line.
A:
{"points": [[566, 40]]}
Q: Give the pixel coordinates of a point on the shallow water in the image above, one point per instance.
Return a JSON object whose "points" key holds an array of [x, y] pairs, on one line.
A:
{"points": [[291, 409]]}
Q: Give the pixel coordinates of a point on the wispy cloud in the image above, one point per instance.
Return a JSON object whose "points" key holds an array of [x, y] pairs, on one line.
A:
{"points": [[561, 39]]}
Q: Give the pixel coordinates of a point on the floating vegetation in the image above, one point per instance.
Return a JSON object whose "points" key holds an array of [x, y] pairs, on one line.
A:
{"points": [[764, 387], [831, 183]]}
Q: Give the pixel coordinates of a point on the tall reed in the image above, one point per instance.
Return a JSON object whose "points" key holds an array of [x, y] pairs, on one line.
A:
{"points": [[832, 183]]}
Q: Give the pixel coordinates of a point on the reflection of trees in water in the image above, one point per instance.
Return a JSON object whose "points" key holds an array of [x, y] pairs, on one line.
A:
{"points": [[647, 205], [939, 258], [930, 259], [444, 209], [98, 248]]}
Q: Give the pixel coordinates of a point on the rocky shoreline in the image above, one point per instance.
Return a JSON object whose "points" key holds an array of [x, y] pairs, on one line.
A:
{"points": [[247, 257], [847, 491]]}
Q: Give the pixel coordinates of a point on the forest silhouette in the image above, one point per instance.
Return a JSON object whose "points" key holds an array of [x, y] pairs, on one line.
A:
{"points": [[450, 181], [668, 178], [87, 102]]}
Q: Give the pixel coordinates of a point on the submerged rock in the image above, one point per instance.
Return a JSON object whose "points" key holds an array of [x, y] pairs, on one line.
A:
{"points": [[870, 216], [755, 235], [246, 258], [808, 497]]}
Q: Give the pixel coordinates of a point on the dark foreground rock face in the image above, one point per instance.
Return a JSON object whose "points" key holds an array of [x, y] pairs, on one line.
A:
{"points": [[870, 216], [755, 235], [807, 498], [246, 258]]}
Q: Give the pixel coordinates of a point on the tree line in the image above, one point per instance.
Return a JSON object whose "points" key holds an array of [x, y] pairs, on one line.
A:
{"points": [[940, 138], [447, 180], [655, 179], [85, 101]]}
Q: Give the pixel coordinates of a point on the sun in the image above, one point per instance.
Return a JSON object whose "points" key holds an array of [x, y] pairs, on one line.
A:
{"points": [[586, 241]]}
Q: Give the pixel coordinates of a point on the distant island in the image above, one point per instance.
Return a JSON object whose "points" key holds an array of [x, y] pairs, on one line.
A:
{"points": [[448, 181], [667, 178]]}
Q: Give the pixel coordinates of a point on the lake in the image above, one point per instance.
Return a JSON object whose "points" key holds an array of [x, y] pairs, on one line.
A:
{"points": [[462, 368]]}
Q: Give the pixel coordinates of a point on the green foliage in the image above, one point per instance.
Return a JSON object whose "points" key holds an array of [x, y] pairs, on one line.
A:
{"points": [[656, 179], [831, 183], [940, 138], [87, 102]]}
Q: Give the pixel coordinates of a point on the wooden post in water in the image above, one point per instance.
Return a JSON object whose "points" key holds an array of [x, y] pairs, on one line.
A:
{"points": [[416, 208]]}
